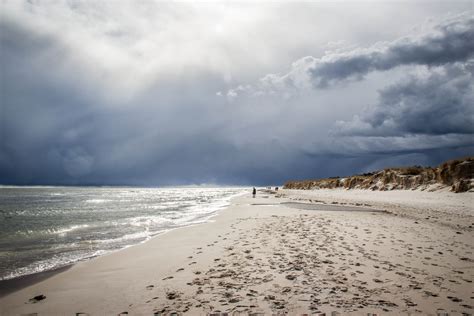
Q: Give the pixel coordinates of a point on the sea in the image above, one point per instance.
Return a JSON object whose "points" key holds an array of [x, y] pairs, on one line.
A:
{"points": [[44, 228]]}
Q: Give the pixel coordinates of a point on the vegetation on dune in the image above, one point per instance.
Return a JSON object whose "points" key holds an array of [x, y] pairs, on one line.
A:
{"points": [[457, 174]]}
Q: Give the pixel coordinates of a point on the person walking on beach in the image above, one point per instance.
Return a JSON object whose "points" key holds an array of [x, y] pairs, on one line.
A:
{"points": [[254, 192]]}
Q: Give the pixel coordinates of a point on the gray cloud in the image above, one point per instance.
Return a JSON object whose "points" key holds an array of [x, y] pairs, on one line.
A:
{"points": [[448, 42], [451, 41], [434, 101]]}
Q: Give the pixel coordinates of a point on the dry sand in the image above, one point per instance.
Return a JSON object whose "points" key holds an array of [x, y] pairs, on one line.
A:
{"points": [[272, 255], [442, 206]]}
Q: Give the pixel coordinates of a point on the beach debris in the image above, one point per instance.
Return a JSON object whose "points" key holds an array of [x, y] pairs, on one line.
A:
{"points": [[37, 298]]}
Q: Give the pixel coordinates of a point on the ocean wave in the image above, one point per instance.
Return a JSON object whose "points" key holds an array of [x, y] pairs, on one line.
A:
{"points": [[62, 231], [51, 231], [141, 236], [98, 225], [98, 201], [150, 221], [51, 264]]}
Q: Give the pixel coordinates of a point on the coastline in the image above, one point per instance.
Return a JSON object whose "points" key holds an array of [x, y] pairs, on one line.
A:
{"points": [[10, 286], [260, 255], [66, 239]]}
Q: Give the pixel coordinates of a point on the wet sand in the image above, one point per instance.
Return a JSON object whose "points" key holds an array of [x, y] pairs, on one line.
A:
{"points": [[274, 255], [16, 284]]}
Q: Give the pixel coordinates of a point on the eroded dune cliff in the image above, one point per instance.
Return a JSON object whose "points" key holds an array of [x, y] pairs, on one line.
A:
{"points": [[457, 174]]}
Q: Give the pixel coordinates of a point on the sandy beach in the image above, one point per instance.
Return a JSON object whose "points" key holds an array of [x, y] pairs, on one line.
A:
{"points": [[295, 252]]}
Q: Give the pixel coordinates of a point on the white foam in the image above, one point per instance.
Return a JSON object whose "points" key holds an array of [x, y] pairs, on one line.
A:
{"points": [[63, 231], [158, 211], [98, 201], [144, 235], [50, 264]]}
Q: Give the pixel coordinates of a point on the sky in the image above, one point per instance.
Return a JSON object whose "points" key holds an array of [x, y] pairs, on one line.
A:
{"points": [[161, 93]]}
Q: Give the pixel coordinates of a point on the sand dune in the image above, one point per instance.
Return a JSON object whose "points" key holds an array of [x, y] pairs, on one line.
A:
{"points": [[457, 175]]}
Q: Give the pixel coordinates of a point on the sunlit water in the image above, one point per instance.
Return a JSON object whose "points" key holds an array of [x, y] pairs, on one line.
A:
{"points": [[43, 228]]}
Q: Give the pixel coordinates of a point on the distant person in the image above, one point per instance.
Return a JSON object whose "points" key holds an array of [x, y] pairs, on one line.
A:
{"points": [[276, 188], [254, 192]]}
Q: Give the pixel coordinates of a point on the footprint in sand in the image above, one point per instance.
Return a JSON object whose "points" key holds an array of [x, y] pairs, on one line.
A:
{"points": [[171, 295]]}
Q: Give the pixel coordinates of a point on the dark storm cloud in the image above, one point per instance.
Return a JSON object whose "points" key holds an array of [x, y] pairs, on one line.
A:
{"points": [[141, 109], [57, 130], [434, 102], [35, 106]]}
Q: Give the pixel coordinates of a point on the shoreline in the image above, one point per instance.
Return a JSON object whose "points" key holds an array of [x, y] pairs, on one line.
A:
{"points": [[13, 285], [247, 259], [10, 285]]}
